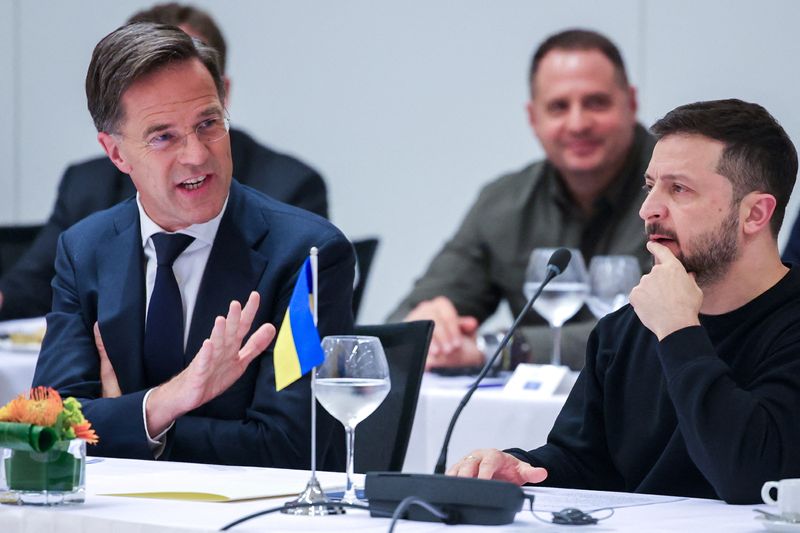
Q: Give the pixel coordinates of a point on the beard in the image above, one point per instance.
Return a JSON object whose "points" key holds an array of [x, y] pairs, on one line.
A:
{"points": [[715, 250]]}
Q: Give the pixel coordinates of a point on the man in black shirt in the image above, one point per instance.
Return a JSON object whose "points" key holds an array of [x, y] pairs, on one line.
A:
{"points": [[693, 389]]}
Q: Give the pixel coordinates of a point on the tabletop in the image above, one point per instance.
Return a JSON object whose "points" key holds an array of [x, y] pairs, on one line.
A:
{"points": [[134, 515]]}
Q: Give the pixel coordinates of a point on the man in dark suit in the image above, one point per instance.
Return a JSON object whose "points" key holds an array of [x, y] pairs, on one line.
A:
{"points": [[97, 184], [156, 97]]}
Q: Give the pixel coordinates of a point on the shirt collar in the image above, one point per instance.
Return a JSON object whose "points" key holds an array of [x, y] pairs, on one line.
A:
{"points": [[203, 232]]}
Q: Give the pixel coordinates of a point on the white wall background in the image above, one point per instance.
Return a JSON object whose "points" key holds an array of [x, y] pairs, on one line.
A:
{"points": [[406, 108]]}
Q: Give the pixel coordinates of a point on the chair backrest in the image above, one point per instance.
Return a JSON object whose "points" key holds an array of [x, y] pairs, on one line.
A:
{"points": [[382, 438], [365, 253], [14, 241]]}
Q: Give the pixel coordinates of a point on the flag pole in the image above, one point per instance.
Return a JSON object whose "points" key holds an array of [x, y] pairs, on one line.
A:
{"points": [[313, 499], [315, 298]]}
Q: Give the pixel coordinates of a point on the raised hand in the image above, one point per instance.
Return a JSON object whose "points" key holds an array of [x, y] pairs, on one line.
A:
{"points": [[667, 299], [220, 361]]}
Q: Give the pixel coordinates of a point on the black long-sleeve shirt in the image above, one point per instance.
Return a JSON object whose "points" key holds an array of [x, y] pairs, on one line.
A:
{"points": [[710, 411]]}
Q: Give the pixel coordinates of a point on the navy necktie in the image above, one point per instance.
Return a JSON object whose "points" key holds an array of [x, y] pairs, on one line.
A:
{"points": [[163, 333]]}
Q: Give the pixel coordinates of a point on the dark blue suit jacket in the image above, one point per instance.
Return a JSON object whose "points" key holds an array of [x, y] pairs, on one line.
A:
{"points": [[97, 184], [260, 245]]}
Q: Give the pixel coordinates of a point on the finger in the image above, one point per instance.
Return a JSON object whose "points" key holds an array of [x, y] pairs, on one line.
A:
{"points": [[217, 337], [108, 378], [467, 324], [232, 320], [257, 343], [204, 354], [98, 340], [249, 311], [531, 474], [468, 468], [661, 253], [488, 466], [447, 321]]}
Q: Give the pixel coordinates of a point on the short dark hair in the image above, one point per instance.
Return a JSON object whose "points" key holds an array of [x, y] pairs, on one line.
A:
{"points": [[579, 39], [132, 51], [175, 14], [758, 154]]}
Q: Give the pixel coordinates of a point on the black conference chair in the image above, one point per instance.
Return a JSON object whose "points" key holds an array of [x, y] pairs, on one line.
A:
{"points": [[14, 241], [365, 253], [382, 438]]}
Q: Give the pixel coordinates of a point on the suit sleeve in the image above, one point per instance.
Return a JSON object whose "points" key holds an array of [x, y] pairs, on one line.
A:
{"points": [[274, 429], [69, 362]]}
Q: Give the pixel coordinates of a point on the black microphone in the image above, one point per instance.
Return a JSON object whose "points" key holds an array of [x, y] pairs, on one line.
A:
{"points": [[465, 501], [556, 265]]}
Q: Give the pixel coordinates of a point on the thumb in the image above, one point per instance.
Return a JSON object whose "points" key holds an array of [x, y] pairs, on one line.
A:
{"points": [[532, 474], [98, 340]]}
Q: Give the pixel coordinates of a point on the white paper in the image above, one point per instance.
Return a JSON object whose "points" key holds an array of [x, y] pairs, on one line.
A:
{"points": [[549, 499]]}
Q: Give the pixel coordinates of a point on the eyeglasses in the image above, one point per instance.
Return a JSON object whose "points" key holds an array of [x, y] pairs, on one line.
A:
{"points": [[210, 130]]}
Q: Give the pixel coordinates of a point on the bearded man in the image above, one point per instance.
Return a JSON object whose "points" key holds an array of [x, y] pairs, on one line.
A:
{"points": [[693, 389]]}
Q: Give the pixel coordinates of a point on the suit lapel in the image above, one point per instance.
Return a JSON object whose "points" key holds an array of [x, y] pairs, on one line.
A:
{"points": [[121, 297], [233, 270]]}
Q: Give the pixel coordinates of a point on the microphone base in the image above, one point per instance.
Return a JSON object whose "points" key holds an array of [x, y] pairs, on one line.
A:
{"points": [[465, 500]]}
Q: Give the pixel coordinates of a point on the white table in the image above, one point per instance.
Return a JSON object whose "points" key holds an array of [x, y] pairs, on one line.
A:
{"points": [[135, 515], [493, 418]]}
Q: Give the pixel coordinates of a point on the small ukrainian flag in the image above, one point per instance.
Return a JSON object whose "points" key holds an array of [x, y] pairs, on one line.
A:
{"points": [[298, 348]]}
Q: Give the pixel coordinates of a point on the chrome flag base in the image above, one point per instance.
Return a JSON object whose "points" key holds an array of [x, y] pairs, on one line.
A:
{"points": [[312, 502]]}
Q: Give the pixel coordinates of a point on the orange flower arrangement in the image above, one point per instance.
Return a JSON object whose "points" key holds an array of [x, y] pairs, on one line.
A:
{"points": [[44, 407]]}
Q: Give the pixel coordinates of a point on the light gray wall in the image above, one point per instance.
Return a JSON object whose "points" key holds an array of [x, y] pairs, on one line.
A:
{"points": [[407, 108]]}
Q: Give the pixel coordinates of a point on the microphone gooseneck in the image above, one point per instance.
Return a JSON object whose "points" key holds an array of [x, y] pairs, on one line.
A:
{"points": [[556, 265]]}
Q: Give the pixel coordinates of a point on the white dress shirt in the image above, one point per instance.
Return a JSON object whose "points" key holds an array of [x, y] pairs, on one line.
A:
{"points": [[188, 268]]}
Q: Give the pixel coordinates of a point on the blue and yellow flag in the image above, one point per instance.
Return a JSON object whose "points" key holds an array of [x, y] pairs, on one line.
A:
{"points": [[297, 349]]}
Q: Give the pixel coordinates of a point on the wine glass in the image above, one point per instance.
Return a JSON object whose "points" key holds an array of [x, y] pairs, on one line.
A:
{"points": [[350, 385], [611, 278], [562, 297]]}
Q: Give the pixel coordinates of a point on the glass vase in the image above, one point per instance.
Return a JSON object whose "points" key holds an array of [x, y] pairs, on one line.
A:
{"points": [[54, 477]]}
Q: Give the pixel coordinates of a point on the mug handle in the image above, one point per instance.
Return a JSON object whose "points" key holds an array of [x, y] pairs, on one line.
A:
{"points": [[765, 492]]}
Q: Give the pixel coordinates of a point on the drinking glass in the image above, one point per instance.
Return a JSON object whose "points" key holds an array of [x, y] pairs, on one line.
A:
{"points": [[562, 297], [350, 385], [611, 278]]}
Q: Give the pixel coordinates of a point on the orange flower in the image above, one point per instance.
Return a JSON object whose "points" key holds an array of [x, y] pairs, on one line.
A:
{"points": [[84, 431], [41, 408]]}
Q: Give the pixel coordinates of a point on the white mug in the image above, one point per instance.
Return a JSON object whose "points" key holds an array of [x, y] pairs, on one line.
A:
{"points": [[788, 500]]}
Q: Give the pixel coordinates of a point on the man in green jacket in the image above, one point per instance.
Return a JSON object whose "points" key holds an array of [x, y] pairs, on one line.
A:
{"points": [[584, 195]]}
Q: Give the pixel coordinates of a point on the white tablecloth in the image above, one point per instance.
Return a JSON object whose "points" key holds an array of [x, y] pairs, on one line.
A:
{"points": [[493, 418], [136, 515]]}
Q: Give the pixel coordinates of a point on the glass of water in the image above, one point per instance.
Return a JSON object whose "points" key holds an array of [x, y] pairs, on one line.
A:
{"points": [[350, 385], [562, 297], [611, 278]]}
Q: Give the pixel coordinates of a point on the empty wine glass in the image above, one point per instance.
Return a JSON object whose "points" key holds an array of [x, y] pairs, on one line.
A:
{"points": [[562, 297], [611, 278], [350, 385]]}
